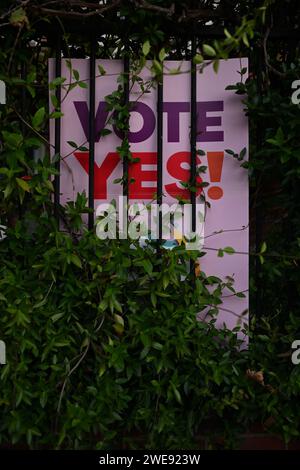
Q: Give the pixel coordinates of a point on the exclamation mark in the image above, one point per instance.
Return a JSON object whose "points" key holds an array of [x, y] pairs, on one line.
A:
{"points": [[215, 165]]}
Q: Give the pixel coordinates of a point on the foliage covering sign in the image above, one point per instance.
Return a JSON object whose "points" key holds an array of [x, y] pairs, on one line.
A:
{"points": [[222, 142]]}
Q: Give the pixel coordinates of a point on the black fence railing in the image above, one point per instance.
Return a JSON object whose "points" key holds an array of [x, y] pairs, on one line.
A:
{"points": [[193, 40], [92, 131]]}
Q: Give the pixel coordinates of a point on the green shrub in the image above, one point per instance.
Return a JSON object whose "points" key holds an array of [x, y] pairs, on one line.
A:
{"points": [[104, 348]]}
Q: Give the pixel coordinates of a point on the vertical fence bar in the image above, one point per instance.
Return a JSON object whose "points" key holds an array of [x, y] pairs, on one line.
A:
{"points": [[193, 136], [126, 66], [57, 130], [92, 93], [23, 96], [258, 208], [160, 154], [23, 113]]}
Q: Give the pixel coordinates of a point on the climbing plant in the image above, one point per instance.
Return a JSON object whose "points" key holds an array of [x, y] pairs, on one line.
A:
{"points": [[103, 342]]}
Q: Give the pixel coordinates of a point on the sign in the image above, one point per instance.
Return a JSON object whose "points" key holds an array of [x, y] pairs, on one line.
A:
{"points": [[2, 353], [221, 125], [2, 92], [2, 232]]}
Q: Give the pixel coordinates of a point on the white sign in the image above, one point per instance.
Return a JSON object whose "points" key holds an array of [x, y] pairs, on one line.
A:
{"points": [[2, 353], [2, 92]]}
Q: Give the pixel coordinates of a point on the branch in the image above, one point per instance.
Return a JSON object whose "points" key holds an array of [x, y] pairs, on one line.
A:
{"points": [[70, 373], [270, 67], [23, 4], [202, 13], [32, 128], [148, 6], [187, 14], [97, 9]]}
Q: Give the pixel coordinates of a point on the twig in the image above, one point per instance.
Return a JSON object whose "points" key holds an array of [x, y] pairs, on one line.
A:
{"points": [[14, 48], [277, 72], [98, 10], [235, 294], [149, 6], [219, 232], [265, 255], [238, 315], [69, 375], [32, 128]]}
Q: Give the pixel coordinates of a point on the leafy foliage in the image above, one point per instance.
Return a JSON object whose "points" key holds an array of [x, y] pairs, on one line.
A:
{"points": [[104, 345]]}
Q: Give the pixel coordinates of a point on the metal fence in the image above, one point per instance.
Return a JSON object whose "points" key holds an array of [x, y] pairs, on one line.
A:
{"points": [[193, 40], [92, 131]]}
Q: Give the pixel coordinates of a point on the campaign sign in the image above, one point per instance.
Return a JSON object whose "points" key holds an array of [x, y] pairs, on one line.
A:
{"points": [[221, 125]]}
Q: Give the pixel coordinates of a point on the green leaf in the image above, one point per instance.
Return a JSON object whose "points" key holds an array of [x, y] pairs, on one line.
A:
{"points": [[231, 87], [162, 55], [103, 305], [13, 139], [177, 395], [147, 265], [240, 294], [146, 48], [245, 39], [56, 82], [56, 114], [57, 316], [76, 75], [43, 398], [153, 299], [209, 50], [230, 152], [229, 250], [23, 184], [38, 117], [49, 185], [263, 248], [54, 101], [119, 319], [242, 153], [104, 132], [72, 144], [7, 191], [174, 71], [227, 33], [157, 67], [144, 352], [76, 260], [101, 69], [102, 370], [198, 59], [165, 281], [18, 18], [216, 65], [117, 180], [119, 324]]}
